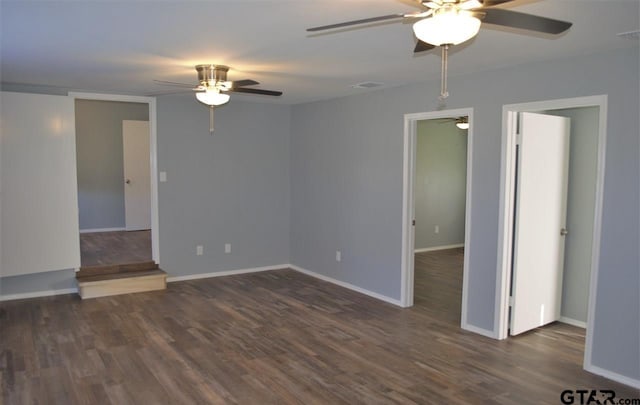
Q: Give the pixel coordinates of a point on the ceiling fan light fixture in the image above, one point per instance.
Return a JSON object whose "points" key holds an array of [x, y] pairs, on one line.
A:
{"points": [[212, 97], [462, 123], [447, 27]]}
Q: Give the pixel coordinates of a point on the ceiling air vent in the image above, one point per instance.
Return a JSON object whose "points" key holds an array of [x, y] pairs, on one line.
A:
{"points": [[630, 34], [366, 85]]}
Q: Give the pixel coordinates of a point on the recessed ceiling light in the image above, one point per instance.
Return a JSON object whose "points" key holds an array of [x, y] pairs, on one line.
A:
{"points": [[366, 85]]}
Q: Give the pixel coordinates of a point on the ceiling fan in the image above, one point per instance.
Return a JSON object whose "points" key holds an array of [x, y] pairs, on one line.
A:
{"points": [[213, 87], [450, 22], [461, 122]]}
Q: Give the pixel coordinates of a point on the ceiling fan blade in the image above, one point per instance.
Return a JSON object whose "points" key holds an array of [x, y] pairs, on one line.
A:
{"points": [[422, 46], [166, 83], [508, 18], [242, 83], [491, 3], [256, 91], [166, 93], [356, 22]]}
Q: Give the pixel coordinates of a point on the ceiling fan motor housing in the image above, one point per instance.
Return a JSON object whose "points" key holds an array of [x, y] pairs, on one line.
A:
{"points": [[209, 75]]}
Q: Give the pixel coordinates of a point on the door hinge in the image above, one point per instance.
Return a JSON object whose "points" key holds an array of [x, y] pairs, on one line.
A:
{"points": [[511, 301], [413, 222]]}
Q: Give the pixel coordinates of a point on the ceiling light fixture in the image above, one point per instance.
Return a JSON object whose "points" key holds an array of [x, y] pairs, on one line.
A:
{"points": [[463, 123], [212, 97], [448, 26]]}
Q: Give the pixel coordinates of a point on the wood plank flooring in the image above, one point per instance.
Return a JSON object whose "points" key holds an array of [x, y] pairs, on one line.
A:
{"points": [[277, 337], [119, 247]]}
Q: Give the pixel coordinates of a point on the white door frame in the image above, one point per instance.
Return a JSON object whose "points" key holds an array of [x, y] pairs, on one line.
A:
{"points": [[505, 225], [153, 153], [408, 203]]}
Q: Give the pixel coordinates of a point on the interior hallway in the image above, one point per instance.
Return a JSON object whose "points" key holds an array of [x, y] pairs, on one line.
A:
{"points": [[119, 247]]}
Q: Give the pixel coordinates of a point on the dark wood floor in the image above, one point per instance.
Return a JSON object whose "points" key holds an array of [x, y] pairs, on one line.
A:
{"points": [[438, 283], [277, 337], [120, 247]]}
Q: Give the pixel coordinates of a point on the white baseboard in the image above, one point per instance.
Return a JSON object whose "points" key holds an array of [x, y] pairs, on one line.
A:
{"points": [[347, 285], [613, 376], [94, 230], [480, 331], [172, 279], [573, 322], [37, 294], [434, 248]]}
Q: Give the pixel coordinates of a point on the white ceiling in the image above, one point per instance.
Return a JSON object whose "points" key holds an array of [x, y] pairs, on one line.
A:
{"points": [[120, 46]]}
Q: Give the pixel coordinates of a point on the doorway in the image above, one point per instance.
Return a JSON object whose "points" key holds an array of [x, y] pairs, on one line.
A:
{"points": [[115, 227], [579, 109], [439, 190], [434, 234]]}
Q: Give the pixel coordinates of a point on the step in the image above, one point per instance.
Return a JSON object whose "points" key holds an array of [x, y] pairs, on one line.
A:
{"points": [[103, 285], [115, 268]]}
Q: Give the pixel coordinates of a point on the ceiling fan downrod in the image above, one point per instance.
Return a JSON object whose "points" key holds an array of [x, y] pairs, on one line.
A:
{"points": [[211, 120], [444, 93]]}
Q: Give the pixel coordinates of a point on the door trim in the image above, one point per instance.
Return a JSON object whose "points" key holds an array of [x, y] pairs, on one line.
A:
{"points": [[507, 165], [408, 204], [153, 154]]}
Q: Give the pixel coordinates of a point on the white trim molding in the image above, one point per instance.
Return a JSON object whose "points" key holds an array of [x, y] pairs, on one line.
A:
{"points": [[96, 230], [172, 279], [346, 285], [436, 248], [37, 294], [573, 322], [480, 331], [153, 154], [614, 376], [503, 273], [408, 208]]}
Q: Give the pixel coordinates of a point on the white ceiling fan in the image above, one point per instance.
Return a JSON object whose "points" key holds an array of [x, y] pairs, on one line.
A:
{"points": [[446, 23], [213, 87]]}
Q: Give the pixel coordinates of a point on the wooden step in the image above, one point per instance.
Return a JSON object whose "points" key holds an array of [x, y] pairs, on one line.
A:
{"points": [[102, 285], [115, 268]]}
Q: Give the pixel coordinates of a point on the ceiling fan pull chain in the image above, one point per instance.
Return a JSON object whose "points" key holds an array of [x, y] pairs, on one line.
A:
{"points": [[211, 120], [443, 78]]}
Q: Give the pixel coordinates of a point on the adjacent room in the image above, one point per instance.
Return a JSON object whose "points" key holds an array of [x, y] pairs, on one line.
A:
{"points": [[114, 193], [319, 202]]}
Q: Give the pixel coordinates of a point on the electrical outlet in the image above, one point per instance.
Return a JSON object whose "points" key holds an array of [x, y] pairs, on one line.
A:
{"points": [[338, 256], [437, 229], [227, 247], [199, 250]]}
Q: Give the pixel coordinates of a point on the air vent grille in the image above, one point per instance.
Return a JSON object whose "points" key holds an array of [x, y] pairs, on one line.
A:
{"points": [[366, 85]]}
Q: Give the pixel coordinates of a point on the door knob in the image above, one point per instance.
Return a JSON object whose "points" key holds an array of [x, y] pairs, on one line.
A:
{"points": [[127, 181], [564, 231]]}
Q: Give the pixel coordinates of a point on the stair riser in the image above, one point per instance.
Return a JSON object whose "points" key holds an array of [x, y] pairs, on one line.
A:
{"points": [[121, 286]]}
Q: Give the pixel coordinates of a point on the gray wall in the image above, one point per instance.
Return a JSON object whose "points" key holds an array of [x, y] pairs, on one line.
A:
{"points": [[580, 210], [440, 183], [38, 282], [99, 160], [229, 187], [346, 188]]}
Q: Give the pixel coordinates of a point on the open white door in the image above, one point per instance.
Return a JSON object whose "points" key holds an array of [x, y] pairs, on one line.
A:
{"points": [[540, 220], [137, 175]]}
